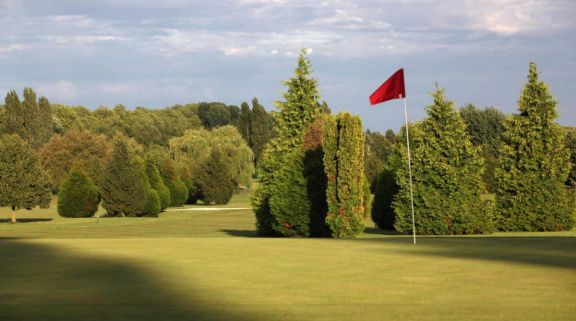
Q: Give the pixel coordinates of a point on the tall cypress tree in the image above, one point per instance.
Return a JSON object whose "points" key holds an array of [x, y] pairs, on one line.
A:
{"points": [[245, 123], [29, 119], [343, 145], [533, 165], [23, 184], [446, 172], [259, 129], [157, 183], [299, 108]]}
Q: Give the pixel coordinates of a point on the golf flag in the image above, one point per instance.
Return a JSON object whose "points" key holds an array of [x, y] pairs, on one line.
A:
{"points": [[393, 88]]}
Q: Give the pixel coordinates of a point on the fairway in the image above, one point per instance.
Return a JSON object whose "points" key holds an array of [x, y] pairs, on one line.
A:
{"points": [[208, 265]]}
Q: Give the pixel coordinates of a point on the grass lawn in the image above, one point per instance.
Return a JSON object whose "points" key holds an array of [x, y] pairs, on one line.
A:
{"points": [[207, 265]]}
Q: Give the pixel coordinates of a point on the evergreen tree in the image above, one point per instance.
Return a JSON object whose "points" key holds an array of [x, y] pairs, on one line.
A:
{"points": [[343, 145], [171, 177], [213, 179], [533, 165], [299, 108], [290, 203], [259, 129], [157, 183], [245, 122], [390, 136], [446, 172], [23, 184], [27, 119], [124, 188], [78, 197], [384, 190]]}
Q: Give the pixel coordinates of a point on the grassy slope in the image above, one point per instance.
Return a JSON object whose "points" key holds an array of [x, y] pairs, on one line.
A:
{"points": [[207, 265]]}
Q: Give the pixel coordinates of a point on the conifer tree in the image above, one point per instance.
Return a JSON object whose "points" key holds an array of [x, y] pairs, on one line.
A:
{"points": [[299, 108], [171, 177], [27, 119], [213, 179], [343, 145], [157, 183], [78, 196], [533, 165], [124, 187], [23, 184], [259, 129], [446, 172], [245, 122]]}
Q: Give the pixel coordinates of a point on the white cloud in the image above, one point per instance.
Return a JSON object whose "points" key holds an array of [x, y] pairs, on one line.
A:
{"points": [[58, 91]]}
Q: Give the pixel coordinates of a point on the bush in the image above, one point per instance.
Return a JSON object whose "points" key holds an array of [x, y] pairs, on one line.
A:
{"points": [[153, 207], [289, 202], [78, 196], [157, 183], [170, 176], [213, 179]]}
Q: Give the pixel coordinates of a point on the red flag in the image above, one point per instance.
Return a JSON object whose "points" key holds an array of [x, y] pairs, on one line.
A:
{"points": [[393, 88]]}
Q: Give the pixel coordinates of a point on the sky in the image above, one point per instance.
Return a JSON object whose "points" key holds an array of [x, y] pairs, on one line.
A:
{"points": [[160, 53]]}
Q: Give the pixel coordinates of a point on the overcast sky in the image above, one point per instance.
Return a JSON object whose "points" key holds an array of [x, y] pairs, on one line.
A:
{"points": [[160, 53]]}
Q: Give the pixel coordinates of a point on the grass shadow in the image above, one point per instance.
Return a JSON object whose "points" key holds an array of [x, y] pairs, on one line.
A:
{"points": [[25, 220], [544, 251], [241, 233], [42, 282]]}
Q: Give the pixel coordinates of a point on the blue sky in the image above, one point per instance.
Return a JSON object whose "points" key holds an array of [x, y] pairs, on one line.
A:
{"points": [[160, 53]]}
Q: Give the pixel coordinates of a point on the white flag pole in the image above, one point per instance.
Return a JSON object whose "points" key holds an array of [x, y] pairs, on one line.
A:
{"points": [[409, 169]]}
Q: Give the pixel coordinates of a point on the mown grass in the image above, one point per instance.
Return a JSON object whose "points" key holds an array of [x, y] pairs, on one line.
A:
{"points": [[208, 265]]}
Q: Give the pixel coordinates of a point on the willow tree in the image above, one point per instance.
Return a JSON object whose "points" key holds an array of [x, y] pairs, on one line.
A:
{"points": [[533, 165], [298, 109]]}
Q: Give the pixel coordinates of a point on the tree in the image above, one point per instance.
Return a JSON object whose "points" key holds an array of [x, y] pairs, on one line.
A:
{"points": [[213, 179], [299, 108], [485, 127], [377, 150], [390, 136], [446, 172], [385, 188], [87, 150], [533, 165], [78, 197], [245, 122], [570, 143], [23, 184], [259, 129], [171, 177], [157, 183], [28, 119], [343, 145], [124, 187]]}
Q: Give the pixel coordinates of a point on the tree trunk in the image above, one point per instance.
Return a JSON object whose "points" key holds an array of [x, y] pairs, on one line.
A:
{"points": [[13, 214]]}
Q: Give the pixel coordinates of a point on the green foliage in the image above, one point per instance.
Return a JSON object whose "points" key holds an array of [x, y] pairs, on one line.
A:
{"points": [[299, 108], [30, 119], [215, 114], [390, 136], [534, 165], [124, 187], [157, 183], [254, 125], [316, 180], [446, 172], [213, 179], [88, 151], [78, 197], [289, 202], [384, 190], [485, 127], [23, 184], [377, 150], [171, 177], [343, 145], [153, 203], [570, 143], [244, 123]]}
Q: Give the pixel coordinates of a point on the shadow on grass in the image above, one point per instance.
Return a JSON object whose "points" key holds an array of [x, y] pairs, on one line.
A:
{"points": [[25, 220], [545, 251], [375, 230], [39, 282], [241, 233]]}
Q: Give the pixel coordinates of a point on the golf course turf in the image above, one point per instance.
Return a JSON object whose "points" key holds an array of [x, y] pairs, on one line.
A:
{"points": [[209, 265]]}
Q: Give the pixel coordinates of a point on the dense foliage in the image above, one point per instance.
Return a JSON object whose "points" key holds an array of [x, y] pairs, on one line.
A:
{"points": [[213, 179], [299, 108], [84, 149], [157, 183], [78, 196], [23, 183], [343, 145], [534, 165], [170, 174], [446, 172], [30, 119]]}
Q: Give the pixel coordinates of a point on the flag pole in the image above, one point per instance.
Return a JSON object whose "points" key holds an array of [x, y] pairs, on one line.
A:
{"points": [[409, 169]]}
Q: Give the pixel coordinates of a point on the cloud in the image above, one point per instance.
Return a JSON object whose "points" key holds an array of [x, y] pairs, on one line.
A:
{"points": [[61, 91]]}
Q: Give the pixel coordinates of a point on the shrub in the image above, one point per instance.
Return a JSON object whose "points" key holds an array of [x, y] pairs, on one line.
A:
{"points": [[78, 196], [214, 181]]}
